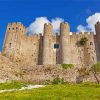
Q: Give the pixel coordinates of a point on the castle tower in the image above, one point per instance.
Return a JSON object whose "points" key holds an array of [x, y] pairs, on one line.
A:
{"points": [[64, 43], [7, 38], [97, 29], [47, 44], [12, 39]]}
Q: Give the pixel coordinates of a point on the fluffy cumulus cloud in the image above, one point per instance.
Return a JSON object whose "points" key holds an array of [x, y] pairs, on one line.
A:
{"points": [[91, 21], [37, 26], [81, 28], [56, 24]]}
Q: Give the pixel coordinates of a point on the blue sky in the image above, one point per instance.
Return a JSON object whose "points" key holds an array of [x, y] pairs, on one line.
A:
{"points": [[73, 11]]}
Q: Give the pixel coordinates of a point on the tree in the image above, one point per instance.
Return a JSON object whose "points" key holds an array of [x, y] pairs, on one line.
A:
{"points": [[95, 70]]}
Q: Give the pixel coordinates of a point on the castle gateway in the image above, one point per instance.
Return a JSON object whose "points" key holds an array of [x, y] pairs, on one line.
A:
{"points": [[49, 48]]}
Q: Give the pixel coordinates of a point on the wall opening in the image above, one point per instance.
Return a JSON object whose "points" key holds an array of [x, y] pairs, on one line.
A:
{"points": [[92, 58], [91, 43], [9, 45], [56, 46]]}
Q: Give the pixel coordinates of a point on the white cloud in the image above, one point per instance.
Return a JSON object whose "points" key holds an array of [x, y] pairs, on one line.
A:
{"points": [[91, 21], [81, 28], [56, 24], [37, 26]]}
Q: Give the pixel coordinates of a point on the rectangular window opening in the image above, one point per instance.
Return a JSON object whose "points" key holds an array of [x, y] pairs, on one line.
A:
{"points": [[56, 46]]}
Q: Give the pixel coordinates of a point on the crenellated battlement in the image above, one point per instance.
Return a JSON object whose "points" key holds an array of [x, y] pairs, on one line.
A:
{"points": [[34, 37], [47, 24], [15, 24], [82, 33], [64, 29], [48, 29], [49, 48], [97, 24], [12, 27]]}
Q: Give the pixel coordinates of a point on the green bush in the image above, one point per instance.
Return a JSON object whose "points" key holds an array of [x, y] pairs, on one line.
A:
{"points": [[83, 41], [65, 66], [95, 70], [96, 67], [58, 80]]}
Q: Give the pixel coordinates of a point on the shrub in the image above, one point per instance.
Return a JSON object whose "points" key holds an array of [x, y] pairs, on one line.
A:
{"points": [[96, 67], [95, 70], [58, 80], [83, 41], [65, 66]]}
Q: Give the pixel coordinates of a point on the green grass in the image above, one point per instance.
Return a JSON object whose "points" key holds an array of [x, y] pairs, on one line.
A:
{"points": [[12, 85], [57, 92], [65, 66]]}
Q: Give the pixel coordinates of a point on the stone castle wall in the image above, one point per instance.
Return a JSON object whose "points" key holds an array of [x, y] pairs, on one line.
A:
{"points": [[82, 55], [20, 47], [40, 50]]}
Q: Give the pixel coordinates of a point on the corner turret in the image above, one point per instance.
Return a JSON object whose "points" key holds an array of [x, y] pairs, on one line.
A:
{"points": [[97, 29]]}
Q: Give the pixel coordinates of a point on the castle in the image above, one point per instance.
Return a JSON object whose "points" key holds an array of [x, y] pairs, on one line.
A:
{"points": [[51, 49]]}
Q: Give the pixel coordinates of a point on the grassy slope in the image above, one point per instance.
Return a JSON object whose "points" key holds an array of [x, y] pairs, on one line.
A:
{"points": [[12, 85], [56, 92]]}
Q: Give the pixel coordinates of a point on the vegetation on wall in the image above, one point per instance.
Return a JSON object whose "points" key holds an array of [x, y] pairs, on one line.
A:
{"points": [[65, 66], [83, 41], [96, 67], [58, 80], [56, 34], [95, 70]]}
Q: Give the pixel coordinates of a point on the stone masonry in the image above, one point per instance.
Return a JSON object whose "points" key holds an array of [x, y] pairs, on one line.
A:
{"points": [[49, 49]]}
